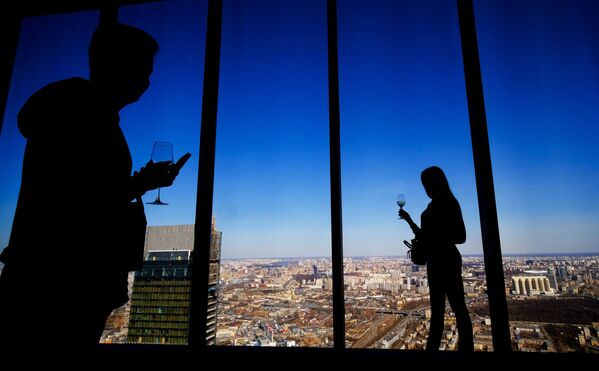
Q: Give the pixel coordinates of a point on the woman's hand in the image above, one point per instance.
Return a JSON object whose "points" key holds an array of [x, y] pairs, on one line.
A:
{"points": [[404, 215]]}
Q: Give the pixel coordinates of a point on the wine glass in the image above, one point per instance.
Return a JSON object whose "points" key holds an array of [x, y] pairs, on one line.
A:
{"points": [[162, 152], [401, 201]]}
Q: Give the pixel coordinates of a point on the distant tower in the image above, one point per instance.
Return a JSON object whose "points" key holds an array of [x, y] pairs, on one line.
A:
{"points": [[160, 298], [213, 278], [161, 290], [562, 272], [315, 269], [552, 278]]}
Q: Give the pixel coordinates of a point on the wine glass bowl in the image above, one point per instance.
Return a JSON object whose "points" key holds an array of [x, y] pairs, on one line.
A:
{"points": [[162, 152], [401, 201]]}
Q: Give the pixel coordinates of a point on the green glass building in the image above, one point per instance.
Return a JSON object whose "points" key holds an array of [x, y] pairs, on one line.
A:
{"points": [[161, 290]]}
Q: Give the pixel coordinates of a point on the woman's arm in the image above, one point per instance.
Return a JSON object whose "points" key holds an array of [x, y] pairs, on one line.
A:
{"points": [[415, 228]]}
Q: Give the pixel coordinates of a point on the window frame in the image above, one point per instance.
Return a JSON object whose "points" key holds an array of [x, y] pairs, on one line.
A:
{"points": [[9, 37]]}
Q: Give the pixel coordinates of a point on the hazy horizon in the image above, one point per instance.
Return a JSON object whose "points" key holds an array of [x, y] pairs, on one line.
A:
{"points": [[577, 254]]}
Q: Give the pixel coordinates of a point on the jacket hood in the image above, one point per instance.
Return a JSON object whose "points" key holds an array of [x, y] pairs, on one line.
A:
{"points": [[44, 112]]}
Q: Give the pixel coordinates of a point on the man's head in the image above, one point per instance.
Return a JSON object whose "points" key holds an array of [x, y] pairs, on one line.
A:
{"points": [[121, 61]]}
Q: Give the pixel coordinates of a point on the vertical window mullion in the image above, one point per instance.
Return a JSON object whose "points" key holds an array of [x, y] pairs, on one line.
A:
{"points": [[335, 154], [203, 225], [484, 179]]}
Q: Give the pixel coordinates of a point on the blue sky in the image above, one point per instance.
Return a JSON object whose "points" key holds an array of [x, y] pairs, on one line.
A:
{"points": [[541, 76], [403, 108]]}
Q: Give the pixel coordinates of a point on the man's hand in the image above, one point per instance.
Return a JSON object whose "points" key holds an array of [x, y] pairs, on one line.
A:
{"points": [[157, 174]]}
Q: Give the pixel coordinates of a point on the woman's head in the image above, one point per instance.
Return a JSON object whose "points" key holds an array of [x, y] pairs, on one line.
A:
{"points": [[435, 183]]}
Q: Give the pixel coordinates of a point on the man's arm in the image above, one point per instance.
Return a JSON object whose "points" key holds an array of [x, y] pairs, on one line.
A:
{"points": [[154, 175]]}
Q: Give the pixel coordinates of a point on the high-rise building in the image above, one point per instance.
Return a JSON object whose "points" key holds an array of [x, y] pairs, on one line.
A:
{"points": [[552, 278], [562, 272], [160, 299], [161, 290], [213, 278]]}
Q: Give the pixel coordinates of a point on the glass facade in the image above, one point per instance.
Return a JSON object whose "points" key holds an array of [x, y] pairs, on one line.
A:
{"points": [[160, 300], [161, 290]]}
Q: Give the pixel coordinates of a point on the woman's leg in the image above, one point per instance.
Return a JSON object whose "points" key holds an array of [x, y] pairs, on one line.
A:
{"points": [[437, 299], [455, 294]]}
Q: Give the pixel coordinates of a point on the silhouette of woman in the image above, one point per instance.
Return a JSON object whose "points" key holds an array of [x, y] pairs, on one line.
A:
{"points": [[441, 228]]}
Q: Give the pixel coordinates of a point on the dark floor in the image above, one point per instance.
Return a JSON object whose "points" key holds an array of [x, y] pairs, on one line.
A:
{"points": [[316, 359]]}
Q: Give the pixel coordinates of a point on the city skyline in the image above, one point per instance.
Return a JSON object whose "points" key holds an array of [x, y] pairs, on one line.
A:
{"points": [[523, 255], [387, 304], [403, 108]]}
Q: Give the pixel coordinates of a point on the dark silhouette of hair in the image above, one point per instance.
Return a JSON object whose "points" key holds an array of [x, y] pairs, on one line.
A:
{"points": [[435, 183]]}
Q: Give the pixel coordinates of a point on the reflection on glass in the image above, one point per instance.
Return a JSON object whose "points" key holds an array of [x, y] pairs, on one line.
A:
{"points": [[403, 109], [271, 188], [542, 116]]}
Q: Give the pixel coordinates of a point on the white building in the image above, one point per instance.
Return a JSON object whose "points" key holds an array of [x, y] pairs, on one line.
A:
{"points": [[531, 285]]}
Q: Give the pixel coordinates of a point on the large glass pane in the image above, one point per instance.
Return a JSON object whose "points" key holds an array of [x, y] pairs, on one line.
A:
{"points": [[271, 191], [158, 312], [50, 49], [541, 77], [55, 47], [403, 109]]}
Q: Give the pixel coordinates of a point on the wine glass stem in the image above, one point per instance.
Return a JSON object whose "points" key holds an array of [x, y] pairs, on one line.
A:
{"points": [[159, 193]]}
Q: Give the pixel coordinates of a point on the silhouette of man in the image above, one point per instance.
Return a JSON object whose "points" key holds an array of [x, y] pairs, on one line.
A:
{"points": [[64, 268], [442, 226]]}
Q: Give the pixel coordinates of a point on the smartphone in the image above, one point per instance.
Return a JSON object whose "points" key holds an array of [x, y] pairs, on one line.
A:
{"points": [[180, 162]]}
